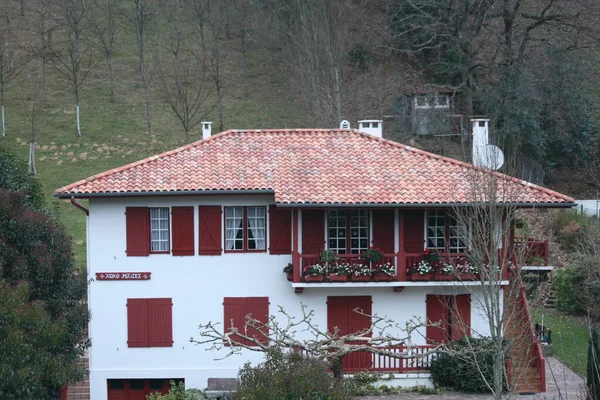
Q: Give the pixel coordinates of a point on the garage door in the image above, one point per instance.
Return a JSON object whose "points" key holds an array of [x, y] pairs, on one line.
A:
{"points": [[137, 389]]}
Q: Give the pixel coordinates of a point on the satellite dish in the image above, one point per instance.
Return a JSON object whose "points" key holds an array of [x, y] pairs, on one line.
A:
{"points": [[492, 157]]}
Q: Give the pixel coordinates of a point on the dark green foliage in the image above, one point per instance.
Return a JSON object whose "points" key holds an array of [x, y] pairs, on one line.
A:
{"points": [[457, 369], [35, 250], [286, 376], [593, 366], [565, 283], [361, 57], [14, 177], [28, 339]]}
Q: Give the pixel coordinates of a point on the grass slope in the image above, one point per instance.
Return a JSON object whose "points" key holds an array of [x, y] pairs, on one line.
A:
{"points": [[114, 134], [569, 339]]}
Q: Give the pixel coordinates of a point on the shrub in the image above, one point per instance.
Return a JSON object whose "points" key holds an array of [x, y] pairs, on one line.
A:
{"points": [[289, 376], [456, 368], [565, 282], [570, 228], [178, 392]]}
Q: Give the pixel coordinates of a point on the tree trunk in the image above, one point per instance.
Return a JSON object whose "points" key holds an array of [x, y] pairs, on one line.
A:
{"points": [[3, 127], [8, 38], [22, 8], [32, 170], [111, 79], [78, 124], [244, 57], [220, 106]]}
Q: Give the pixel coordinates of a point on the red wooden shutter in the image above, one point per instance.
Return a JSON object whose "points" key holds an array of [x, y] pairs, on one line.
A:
{"points": [[183, 231], [210, 230], [280, 230], [161, 322], [313, 231], [138, 231], [461, 316], [437, 312], [383, 230], [137, 323], [234, 316], [414, 235], [258, 307]]}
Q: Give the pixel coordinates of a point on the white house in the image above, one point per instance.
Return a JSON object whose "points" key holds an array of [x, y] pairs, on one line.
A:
{"points": [[201, 233]]}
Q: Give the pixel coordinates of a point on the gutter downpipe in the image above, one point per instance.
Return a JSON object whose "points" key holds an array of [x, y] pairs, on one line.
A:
{"points": [[82, 208]]}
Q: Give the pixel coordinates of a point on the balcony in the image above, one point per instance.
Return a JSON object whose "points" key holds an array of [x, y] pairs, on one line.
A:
{"points": [[534, 255], [401, 277]]}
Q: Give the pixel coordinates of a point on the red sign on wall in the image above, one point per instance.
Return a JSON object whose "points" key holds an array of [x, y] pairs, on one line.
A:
{"points": [[123, 276]]}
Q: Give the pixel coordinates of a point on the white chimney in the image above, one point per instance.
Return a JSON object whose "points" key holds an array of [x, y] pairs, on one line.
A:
{"points": [[344, 124], [206, 129], [371, 126], [480, 140]]}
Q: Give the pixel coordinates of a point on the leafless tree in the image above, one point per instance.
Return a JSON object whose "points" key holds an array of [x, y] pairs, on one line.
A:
{"points": [[29, 90], [330, 347], [183, 80], [8, 32], [104, 27], [8, 72], [41, 26], [72, 60], [216, 55], [488, 223], [139, 19]]}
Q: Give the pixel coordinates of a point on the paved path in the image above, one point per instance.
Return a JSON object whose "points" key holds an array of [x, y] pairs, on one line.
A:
{"points": [[561, 384]]}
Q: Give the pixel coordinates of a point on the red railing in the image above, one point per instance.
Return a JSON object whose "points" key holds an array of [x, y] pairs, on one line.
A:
{"points": [[528, 247], [419, 360], [537, 355]]}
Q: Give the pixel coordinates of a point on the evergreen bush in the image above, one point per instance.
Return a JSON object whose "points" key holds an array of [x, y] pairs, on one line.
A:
{"points": [[457, 368]]}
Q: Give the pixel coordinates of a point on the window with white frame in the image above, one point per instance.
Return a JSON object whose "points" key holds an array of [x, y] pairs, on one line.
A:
{"points": [[436, 236], [444, 233], [348, 231], [159, 230], [433, 101], [245, 229]]}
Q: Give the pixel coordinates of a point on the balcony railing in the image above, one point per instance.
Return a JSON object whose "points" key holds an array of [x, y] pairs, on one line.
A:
{"points": [[532, 251], [418, 359], [400, 264]]}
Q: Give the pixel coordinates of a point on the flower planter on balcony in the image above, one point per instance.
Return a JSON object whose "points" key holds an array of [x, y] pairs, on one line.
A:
{"points": [[444, 277], [314, 278], [421, 277], [365, 278], [337, 278], [383, 278], [467, 277], [290, 277]]}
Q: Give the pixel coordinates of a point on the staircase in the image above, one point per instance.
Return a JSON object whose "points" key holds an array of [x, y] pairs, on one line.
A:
{"points": [[528, 374], [79, 390]]}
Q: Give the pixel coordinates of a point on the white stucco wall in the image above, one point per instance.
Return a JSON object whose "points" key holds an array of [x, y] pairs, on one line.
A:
{"points": [[197, 285]]}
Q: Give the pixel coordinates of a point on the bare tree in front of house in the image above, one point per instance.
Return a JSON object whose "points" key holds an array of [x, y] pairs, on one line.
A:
{"points": [[71, 60], [487, 223], [288, 332], [139, 19], [30, 99], [103, 22], [183, 81]]}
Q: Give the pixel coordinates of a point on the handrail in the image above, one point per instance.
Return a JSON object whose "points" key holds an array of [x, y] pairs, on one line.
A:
{"points": [[537, 348]]}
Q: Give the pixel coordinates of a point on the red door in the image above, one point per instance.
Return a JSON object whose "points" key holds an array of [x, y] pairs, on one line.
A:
{"points": [[341, 315], [137, 389]]}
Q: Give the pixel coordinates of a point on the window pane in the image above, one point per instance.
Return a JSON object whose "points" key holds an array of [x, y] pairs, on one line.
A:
{"points": [[159, 229], [116, 384], [136, 384], [156, 384]]}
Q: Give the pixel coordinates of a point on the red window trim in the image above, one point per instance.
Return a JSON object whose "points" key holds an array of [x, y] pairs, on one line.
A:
{"points": [[245, 228], [168, 251]]}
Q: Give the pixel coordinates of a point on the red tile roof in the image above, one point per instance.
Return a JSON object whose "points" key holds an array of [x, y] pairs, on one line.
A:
{"points": [[307, 166]]}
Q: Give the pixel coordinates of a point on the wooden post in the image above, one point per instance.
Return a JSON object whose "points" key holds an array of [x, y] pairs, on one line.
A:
{"points": [[401, 255], [295, 244]]}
